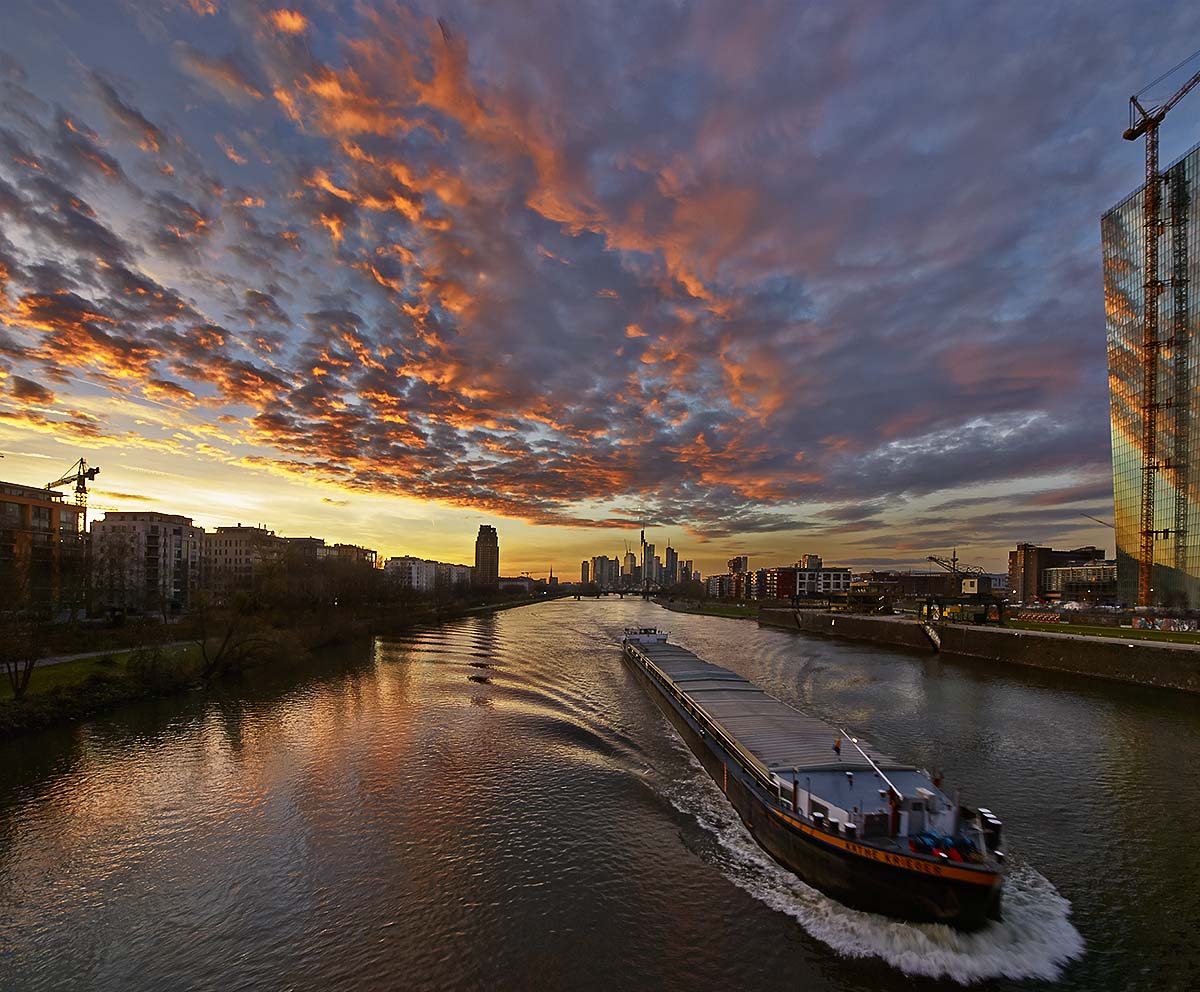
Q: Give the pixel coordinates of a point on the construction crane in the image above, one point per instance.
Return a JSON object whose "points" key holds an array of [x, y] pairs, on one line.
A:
{"points": [[1143, 121], [951, 565], [80, 475]]}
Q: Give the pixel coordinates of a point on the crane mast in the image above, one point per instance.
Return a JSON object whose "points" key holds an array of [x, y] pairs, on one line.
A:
{"points": [[1145, 122], [79, 475]]}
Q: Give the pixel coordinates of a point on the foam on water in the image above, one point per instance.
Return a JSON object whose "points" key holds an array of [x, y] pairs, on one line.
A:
{"points": [[1035, 940]]}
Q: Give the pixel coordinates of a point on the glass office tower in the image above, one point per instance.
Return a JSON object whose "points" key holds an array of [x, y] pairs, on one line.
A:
{"points": [[1175, 580]]}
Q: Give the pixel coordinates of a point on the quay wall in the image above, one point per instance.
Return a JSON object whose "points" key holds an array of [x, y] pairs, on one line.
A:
{"points": [[1141, 662], [878, 630]]}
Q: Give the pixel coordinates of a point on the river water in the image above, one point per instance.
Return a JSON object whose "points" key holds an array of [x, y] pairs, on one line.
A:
{"points": [[496, 804]]}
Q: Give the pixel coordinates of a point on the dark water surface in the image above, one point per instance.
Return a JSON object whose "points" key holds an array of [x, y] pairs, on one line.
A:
{"points": [[495, 803]]}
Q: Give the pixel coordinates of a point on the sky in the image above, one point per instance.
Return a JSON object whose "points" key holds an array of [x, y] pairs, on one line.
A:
{"points": [[770, 278]]}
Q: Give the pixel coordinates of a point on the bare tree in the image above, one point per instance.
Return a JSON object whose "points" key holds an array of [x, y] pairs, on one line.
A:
{"points": [[227, 635], [21, 644]]}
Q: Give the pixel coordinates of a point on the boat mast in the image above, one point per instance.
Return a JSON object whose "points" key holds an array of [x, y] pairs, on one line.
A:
{"points": [[878, 770]]}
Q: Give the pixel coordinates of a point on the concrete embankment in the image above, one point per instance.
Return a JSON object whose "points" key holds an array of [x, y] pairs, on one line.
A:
{"points": [[894, 632], [1174, 666]]}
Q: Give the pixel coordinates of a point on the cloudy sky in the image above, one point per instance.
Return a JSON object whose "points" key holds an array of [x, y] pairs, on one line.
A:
{"points": [[773, 277]]}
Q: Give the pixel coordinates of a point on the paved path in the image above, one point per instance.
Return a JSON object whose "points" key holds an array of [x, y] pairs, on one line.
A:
{"points": [[1063, 631], [58, 659]]}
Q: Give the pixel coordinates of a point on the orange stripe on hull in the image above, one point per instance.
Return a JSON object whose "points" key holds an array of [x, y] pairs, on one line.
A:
{"points": [[896, 860]]}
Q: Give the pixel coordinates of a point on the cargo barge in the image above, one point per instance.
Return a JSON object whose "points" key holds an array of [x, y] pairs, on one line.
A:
{"points": [[874, 833]]}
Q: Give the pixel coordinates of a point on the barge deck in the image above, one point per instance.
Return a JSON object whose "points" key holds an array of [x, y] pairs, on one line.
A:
{"points": [[846, 818]]}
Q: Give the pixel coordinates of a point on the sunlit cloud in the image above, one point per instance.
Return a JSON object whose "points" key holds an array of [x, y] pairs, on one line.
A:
{"points": [[634, 264]]}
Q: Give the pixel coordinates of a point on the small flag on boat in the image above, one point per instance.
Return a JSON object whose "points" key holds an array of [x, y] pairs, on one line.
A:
{"points": [[837, 746]]}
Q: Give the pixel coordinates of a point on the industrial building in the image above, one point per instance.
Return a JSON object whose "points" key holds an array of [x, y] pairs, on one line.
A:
{"points": [[1092, 583], [1029, 563]]}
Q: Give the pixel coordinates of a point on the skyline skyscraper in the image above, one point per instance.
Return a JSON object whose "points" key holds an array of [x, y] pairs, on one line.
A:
{"points": [[487, 558]]}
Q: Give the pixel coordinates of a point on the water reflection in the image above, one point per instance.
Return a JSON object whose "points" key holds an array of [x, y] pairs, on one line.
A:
{"points": [[497, 803]]}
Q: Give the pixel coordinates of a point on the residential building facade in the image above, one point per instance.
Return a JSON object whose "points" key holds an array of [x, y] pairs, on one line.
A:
{"points": [[146, 561], [719, 586], [355, 555], [799, 579], [417, 574], [241, 559], [452, 578], [42, 549]]}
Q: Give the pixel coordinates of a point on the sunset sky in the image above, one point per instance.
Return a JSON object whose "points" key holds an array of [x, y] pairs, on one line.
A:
{"points": [[774, 277]]}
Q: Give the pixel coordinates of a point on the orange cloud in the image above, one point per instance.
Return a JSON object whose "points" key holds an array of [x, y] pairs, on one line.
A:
{"points": [[288, 21], [230, 152]]}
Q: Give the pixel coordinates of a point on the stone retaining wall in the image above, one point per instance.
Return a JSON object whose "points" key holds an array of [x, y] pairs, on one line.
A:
{"points": [[1146, 663], [878, 630], [1142, 662]]}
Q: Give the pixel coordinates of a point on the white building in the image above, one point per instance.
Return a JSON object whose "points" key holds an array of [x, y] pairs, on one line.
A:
{"points": [[417, 574], [147, 561]]}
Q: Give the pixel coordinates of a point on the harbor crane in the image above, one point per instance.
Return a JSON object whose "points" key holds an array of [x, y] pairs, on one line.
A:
{"points": [[79, 475], [1144, 121], [951, 565]]}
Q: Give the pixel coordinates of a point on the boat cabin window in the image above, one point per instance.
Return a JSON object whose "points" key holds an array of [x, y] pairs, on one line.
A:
{"points": [[918, 807]]}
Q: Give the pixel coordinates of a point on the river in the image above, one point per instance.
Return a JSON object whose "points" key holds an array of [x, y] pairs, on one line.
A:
{"points": [[495, 803]]}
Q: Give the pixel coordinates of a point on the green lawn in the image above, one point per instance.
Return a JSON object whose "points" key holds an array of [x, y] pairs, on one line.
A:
{"points": [[1124, 633], [48, 677]]}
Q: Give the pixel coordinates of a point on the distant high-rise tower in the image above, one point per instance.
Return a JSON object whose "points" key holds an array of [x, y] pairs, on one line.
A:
{"points": [[1175, 577], [585, 568], [671, 565], [739, 565], [487, 558]]}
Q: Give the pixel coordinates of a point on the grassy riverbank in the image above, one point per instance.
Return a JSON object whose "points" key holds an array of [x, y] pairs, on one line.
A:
{"points": [[104, 665], [79, 688]]}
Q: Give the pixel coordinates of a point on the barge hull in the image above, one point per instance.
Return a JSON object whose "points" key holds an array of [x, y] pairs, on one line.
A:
{"points": [[827, 863]]}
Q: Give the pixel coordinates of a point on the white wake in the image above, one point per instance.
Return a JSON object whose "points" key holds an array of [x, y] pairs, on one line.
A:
{"points": [[1035, 940]]}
